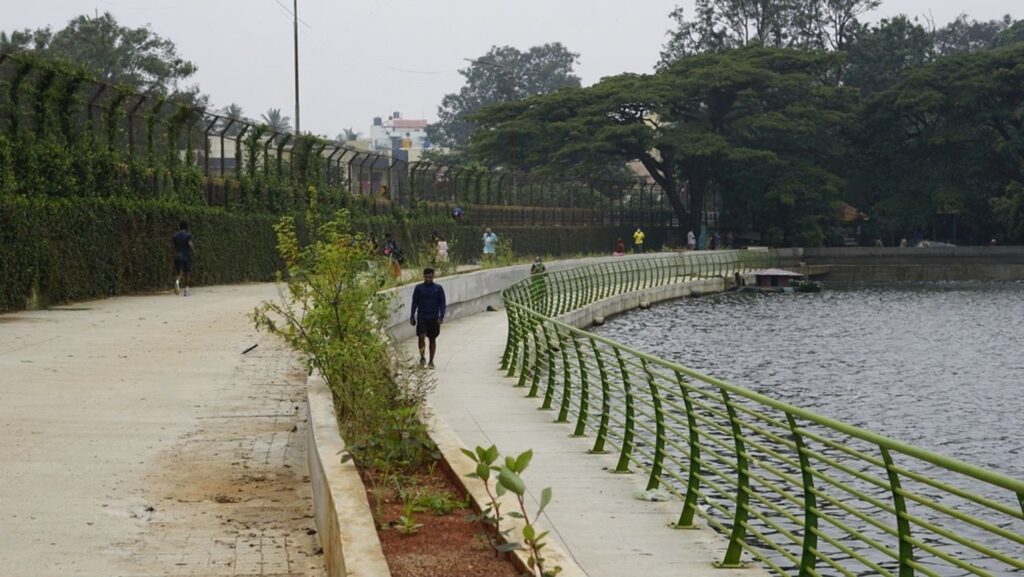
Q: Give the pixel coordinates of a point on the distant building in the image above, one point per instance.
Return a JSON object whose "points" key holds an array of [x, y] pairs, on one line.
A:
{"points": [[403, 138]]}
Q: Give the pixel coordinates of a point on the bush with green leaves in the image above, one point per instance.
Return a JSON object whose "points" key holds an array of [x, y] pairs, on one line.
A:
{"points": [[331, 311], [503, 479]]}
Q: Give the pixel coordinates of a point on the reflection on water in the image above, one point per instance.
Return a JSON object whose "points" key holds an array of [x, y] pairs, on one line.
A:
{"points": [[939, 365]]}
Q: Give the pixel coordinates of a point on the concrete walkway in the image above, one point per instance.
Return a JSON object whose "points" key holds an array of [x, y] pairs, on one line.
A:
{"points": [[136, 439], [594, 515]]}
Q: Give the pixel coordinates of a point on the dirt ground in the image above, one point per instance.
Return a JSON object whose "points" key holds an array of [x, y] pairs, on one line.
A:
{"points": [[233, 497]]}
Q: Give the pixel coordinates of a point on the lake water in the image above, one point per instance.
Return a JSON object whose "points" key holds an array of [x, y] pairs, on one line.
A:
{"points": [[938, 365]]}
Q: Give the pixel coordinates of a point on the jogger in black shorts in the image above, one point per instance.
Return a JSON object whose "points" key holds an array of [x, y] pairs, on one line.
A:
{"points": [[184, 247], [427, 314]]}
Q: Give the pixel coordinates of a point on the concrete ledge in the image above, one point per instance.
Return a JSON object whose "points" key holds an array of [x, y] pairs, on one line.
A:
{"points": [[613, 305], [343, 518], [460, 465], [471, 293]]}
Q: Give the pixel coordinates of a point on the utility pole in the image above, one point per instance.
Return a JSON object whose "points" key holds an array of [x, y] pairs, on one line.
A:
{"points": [[295, 13]]}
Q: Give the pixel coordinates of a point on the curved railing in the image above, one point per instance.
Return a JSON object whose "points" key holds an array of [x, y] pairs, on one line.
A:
{"points": [[801, 493]]}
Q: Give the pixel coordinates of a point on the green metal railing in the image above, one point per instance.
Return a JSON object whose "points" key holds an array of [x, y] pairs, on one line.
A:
{"points": [[801, 493]]}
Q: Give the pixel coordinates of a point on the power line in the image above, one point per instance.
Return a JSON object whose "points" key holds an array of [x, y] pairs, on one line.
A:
{"points": [[292, 14]]}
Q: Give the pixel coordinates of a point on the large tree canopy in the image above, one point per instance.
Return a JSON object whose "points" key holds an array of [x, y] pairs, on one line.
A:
{"points": [[949, 138], [115, 54], [504, 74], [757, 126], [724, 24]]}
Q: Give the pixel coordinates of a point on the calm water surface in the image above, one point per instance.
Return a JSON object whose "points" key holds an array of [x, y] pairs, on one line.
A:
{"points": [[939, 365]]}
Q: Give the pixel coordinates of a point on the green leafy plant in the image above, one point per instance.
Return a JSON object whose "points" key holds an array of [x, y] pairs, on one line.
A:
{"points": [[503, 479], [436, 502], [407, 524]]}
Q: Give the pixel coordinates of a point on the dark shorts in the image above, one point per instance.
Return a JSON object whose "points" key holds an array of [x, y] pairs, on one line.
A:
{"points": [[429, 327], [182, 265]]}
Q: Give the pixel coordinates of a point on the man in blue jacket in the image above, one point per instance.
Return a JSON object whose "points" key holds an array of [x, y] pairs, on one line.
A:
{"points": [[427, 313]]}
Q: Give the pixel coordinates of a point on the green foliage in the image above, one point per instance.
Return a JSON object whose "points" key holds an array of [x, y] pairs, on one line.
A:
{"points": [[1009, 211], [114, 53], [759, 129], [427, 500], [501, 479], [66, 249], [407, 524], [332, 313], [720, 25], [881, 54], [947, 139], [503, 74]]}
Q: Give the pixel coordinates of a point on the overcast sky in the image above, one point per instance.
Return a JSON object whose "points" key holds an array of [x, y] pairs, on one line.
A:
{"points": [[366, 58]]}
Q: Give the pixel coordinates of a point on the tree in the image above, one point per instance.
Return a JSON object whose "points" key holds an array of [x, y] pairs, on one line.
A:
{"points": [[1012, 35], [137, 57], [949, 138], [880, 54], [504, 74], [963, 35], [347, 135], [757, 126], [232, 112], [726, 24], [276, 122]]}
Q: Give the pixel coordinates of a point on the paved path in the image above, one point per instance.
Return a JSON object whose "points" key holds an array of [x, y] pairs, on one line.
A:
{"points": [[594, 514], [137, 440]]}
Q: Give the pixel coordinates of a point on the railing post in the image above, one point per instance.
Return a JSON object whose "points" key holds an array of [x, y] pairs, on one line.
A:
{"points": [[529, 348], [550, 347], [511, 340], [739, 520], [902, 523], [654, 480], [693, 478], [563, 409], [537, 344], [581, 419], [808, 558], [627, 434], [606, 407]]}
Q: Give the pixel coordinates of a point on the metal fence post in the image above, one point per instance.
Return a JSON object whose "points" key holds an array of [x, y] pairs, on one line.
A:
{"points": [[627, 435], [739, 520]]}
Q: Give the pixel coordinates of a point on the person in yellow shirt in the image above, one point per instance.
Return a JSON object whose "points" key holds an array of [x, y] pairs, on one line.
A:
{"points": [[638, 240]]}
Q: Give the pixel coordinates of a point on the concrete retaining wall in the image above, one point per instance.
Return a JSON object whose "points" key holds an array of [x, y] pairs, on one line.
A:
{"points": [[617, 304], [881, 264], [343, 518], [471, 293]]}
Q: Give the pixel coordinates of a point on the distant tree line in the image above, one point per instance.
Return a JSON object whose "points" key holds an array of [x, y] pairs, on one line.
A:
{"points": [[774, 113]]}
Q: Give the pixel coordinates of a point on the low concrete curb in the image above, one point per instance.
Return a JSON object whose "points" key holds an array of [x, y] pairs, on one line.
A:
{"points": [[343, 518], [618, 304], [460, 465]]}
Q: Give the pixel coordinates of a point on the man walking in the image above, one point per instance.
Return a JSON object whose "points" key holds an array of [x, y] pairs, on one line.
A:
{"points": [[184, 249], [427, 314]]}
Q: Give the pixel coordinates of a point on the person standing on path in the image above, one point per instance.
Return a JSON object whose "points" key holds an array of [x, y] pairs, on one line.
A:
{"points": [[490, 244], [427, 314], [394, 254], [184, 250], [638, 240], [691, 241]]}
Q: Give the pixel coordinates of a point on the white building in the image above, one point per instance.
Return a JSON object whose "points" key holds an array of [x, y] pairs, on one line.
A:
{"points": [[398, 134]]}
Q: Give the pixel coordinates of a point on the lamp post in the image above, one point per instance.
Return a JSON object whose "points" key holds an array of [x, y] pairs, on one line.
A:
{"points": [[295, 13]]}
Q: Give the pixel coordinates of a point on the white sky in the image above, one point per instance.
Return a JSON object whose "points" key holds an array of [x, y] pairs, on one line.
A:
{"points": [[360, 59]]}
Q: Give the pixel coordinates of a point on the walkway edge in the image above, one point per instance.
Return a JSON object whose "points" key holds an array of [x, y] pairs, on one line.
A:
{"points": [[343, 517], [460, 465]]}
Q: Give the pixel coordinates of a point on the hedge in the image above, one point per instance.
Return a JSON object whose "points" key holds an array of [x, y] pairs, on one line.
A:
{"points": [[56, 250]]}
